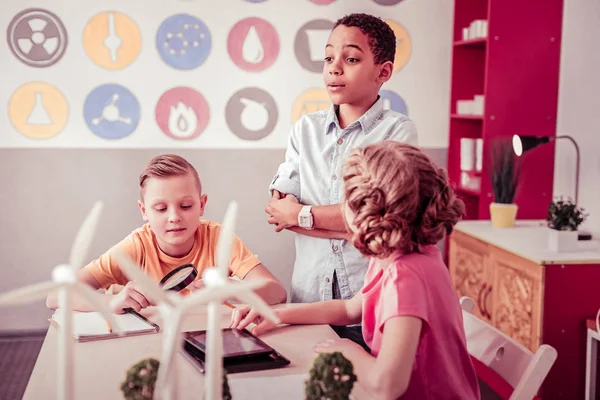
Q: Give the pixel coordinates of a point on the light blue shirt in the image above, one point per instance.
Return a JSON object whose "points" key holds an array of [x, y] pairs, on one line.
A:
{"points": [[312, 172]]}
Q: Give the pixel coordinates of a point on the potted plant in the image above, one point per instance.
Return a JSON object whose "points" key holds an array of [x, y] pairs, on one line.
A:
{"points": [[140, 380], [505, 170], [331, 378], [564, 217]]}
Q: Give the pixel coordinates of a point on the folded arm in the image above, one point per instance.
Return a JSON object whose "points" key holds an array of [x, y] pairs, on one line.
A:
{"points": [[328, 221]]}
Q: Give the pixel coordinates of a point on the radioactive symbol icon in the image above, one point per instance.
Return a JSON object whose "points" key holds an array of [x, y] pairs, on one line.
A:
{"points": [[37, 37]]}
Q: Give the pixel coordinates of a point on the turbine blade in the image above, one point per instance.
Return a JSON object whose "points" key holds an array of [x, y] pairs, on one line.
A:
{"points": [[226, 240], [28, 293], [84, 236]]}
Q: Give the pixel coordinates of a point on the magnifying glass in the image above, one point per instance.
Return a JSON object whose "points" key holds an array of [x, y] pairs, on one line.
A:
{"points": [[179, 278]]}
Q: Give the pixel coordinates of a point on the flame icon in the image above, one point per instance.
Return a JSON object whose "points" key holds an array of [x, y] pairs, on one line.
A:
{"points": [[183, 121]]}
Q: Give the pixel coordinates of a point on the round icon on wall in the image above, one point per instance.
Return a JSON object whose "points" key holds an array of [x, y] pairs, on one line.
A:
{"points": [[310, 43], [183, 41], [322, 2], [311, 100], [38, 110], [403, 44], [182, 113], [392, 101], [112, 40], [253, 44], [387, 2], [111, 111], [251, 113], [37, 37]]}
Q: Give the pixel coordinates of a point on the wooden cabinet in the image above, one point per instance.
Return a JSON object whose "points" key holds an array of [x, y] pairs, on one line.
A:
{"points": [[470, 273], [506, 289], [516, 292]]}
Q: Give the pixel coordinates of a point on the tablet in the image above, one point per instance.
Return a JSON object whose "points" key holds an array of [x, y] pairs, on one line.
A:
{"points": [[242, 351], [236, 343]]}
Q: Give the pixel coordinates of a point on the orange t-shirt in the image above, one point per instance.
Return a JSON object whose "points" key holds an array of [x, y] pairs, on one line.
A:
{"points": [[142, 248]]}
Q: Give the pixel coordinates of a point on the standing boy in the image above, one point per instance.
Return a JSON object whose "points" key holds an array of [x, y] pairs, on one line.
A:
{"points": [[307, 189]]}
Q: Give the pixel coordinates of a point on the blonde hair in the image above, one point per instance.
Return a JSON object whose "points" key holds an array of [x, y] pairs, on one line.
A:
{"points": [[399, 198], [168, 165]]}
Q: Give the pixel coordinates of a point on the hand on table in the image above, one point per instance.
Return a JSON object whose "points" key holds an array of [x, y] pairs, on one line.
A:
{"points": [[244, 315], [129, 297]]}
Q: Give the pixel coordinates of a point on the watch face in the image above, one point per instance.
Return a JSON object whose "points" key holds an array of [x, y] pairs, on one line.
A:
{"points": [[303, 221]]}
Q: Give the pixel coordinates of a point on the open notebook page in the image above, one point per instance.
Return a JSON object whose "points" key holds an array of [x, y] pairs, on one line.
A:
{"points": [[93, 323]]}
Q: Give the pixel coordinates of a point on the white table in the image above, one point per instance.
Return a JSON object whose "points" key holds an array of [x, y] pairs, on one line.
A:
{"points": [[100, 366]]}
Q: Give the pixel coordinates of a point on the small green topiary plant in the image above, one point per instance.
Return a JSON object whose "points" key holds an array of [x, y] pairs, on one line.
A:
{"points": [[565, 215], [331, 378], [140, 380]]}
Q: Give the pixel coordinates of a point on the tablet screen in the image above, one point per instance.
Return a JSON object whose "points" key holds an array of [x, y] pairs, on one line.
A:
{"points": [[235, 343]]}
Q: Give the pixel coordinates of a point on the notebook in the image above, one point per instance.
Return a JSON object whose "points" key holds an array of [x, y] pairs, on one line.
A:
{"points": [[88, 326]]}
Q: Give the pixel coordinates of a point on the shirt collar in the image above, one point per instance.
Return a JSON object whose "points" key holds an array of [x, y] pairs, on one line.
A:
{"points": [[367, 120]]}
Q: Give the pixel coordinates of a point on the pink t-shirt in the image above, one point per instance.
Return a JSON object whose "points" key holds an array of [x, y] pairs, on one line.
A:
{"points": [[419, 285]]}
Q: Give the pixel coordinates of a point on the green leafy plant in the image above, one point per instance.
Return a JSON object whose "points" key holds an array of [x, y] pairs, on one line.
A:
{"points": [[331, 378], [565, 215], [140, 380], [504, 171]]}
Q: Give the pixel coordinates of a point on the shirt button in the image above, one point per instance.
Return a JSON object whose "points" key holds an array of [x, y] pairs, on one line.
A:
{"points": [[327, 280], [334, 177], [340, 141], [335, 248]]}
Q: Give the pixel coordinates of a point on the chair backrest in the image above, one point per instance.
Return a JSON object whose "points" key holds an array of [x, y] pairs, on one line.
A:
{"points": [[523, 370]]}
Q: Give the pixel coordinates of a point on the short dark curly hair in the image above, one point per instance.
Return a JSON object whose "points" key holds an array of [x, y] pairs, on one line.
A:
{"points": [[382, 39]]}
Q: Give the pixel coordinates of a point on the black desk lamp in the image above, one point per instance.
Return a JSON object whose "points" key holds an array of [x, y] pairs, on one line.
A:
{"points": [[522, 144]]}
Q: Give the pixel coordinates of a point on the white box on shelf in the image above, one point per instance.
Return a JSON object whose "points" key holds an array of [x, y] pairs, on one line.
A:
{"points": [[478, 29], [464, 107], [465, 34], [469, 181], [472, 31], [478, 104], [464, 179], [467, 154], [478, 154]]}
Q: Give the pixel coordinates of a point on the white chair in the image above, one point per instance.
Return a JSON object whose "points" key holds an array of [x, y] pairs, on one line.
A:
{"points": [[509, 360]]}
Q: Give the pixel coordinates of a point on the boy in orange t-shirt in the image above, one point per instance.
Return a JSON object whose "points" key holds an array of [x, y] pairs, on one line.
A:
{"points": [[171, 203]]}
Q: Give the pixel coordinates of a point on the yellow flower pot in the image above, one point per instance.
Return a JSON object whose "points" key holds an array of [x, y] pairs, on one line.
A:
{"points": [[503, 215]]}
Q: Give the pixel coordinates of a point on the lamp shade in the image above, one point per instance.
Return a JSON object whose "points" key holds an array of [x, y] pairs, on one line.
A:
{"points": [[521, 144]]}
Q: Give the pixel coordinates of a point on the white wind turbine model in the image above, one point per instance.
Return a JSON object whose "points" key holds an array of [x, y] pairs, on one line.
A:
{"points": [[173, 307], [64, 279]]}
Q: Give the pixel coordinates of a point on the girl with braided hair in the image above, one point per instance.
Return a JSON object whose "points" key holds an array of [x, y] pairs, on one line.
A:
{"points": [[398, 204]]}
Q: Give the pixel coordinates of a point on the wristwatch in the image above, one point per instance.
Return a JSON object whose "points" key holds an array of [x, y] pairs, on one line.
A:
{"points": [[305, 218]]}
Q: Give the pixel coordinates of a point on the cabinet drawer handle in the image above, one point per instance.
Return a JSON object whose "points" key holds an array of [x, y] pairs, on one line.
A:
{"points": [[479, 299], [484, 303]]}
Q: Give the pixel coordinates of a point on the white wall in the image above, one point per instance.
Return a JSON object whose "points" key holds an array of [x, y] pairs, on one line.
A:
{"points": [[579, 107], [423, 82]]}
